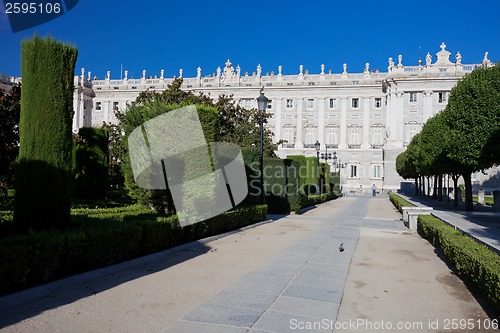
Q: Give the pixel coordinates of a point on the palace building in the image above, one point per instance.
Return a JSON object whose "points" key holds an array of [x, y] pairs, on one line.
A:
{"points": [[366, 118]]}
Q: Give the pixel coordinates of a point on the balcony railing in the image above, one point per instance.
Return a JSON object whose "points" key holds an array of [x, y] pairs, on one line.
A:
{"points": [[332, 145], [354, 146], [288, 145], [377, 146]]}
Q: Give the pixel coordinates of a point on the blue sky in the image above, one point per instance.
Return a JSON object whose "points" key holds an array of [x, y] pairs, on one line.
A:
{"points": [[153, 35]]}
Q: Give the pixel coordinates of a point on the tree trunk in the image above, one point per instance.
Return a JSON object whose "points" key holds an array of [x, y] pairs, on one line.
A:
{"points": [[428, 186], [440, 188], [434, 192], [469, 206], [422, 185], [416, 185], [455, 189]]}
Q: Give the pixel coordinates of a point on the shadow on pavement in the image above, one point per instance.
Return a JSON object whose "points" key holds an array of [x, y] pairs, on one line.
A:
{"points": [[65, 291]]}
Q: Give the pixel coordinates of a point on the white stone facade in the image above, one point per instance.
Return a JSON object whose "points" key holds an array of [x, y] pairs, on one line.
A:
{"points": [[366, 118]]}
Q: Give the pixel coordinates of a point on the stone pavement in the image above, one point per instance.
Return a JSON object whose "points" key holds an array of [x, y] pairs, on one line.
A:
{"points": [[284, 276], [483, 223]]}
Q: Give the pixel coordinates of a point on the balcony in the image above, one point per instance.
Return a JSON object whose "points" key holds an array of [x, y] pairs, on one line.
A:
{"points": [[309, 145], [332, 145], [288, 145], [354, 146], [377, 146]]}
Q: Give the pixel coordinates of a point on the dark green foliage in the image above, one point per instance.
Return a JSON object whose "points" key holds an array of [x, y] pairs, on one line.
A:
{"points": [[116, 152], [44, 168], [282, 185], [101, 237], [10, 107], [136, 115], [399, 202], [475, 261], [251, 158], [91, 163], [309, 172]]}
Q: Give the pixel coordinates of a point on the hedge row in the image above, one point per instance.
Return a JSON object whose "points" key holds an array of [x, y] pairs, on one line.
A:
{"points": [[399, 202], [96, 240], [316, 199], [476, 261]]}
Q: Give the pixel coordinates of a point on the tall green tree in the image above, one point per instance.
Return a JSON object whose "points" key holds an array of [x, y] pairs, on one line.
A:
{"points": [[222, 121], [10, 107], [473, 118], [44, 168]]}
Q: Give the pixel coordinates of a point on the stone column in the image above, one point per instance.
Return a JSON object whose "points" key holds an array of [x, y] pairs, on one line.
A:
{"points": [[365, 144], [427, 112], [398, 117], [106, 110], [321, 121], [277, 115], [480, 197], [300, 128], [343, 123]]}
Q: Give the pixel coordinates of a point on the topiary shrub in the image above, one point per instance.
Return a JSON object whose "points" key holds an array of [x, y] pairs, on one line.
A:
{"points": [[44, 166]]}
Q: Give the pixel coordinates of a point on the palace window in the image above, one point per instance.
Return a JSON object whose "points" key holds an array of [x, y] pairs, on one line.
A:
{"points": [[331, 136], [354, 138], [288, 135], [442, 96], [247, 103], [115, 105], [310, 136], [98, 106], [377, 136], [377, 171], [378, 102], [355, 103], [354, 171], [269, 103], [413, 97], [333, 103], [289, 103], [310, 103]]}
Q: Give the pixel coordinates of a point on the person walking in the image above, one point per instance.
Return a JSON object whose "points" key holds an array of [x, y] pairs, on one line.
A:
{"points": [[374, 190]]}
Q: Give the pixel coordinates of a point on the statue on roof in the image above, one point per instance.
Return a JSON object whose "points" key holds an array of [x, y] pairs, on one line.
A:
{"points": [[228, 76]]}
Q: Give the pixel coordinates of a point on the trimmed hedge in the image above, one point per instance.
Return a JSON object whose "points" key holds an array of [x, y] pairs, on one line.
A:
{"points": [[308, 169], [307, 201], [476, 261], [399, 202], [44, 165], [102, 237], [282, 181]]}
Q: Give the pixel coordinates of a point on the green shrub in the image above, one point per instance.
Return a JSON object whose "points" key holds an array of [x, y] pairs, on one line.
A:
{"points": [[476, 261], [91, 163], [399, 202], [281, 179], [44, 166]]}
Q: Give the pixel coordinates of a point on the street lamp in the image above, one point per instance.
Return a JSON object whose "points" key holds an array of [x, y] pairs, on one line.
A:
{"points": [[262, 105], [317, 145]]}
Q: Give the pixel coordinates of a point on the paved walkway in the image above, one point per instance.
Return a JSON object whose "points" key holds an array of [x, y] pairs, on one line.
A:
{"points": [[283, 276], [483, 223]]}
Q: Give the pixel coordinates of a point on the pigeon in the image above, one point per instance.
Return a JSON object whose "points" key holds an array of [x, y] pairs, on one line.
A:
{"points": [[341, 247]]}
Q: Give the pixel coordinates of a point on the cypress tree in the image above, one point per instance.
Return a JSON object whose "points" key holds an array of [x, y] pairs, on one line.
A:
{"points": [[44, 168]]}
